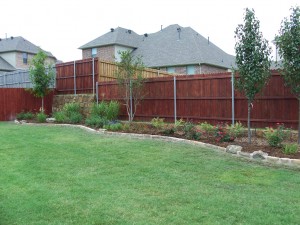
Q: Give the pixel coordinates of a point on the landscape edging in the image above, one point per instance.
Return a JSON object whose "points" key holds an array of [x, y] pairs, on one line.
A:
{"points": [[267, 159]]}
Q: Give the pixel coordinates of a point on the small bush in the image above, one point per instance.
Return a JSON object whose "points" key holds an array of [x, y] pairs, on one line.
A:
{"points": [[25, 116], [59, 117], [290, 149], [275, 137], [221, 134], [99, 109], [191, 132], [235, 130], [113, 109], [157, 122], [207, 128], [75, 117], [96, 121], [70, 108], [113, 126], [41, 117]]}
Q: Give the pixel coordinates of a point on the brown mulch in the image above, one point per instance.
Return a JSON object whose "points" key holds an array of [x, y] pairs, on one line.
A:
{"points": [[258, 143]]}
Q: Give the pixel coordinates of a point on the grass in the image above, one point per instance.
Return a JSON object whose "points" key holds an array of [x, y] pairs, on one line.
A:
{"points": [[60, 175]]}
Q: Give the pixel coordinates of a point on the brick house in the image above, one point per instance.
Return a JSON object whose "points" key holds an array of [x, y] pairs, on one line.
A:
{"points": [[174, 49], [16, 53]]}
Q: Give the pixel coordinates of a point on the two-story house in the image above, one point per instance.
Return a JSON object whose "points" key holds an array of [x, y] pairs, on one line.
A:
{"points": [[174, 49], [16, 52]]}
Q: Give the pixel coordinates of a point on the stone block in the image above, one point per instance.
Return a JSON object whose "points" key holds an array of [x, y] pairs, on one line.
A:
{"points": [[295, 162], [272, 159], [233, 149], [244, 154]]}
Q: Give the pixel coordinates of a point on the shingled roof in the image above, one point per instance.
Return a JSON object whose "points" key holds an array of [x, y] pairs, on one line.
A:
{"points": [[19, 44], [172, 46], [118, 36], [176, 45]]}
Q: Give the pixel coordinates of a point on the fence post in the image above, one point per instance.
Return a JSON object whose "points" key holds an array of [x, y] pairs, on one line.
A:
{"points": [[4, 80], [130, 114], [94, 76], [175, 105], [97, 92], [232, 96], [74, 77]]}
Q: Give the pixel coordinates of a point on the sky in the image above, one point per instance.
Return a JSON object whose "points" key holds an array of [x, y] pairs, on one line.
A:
{"points": [[62, 26]]}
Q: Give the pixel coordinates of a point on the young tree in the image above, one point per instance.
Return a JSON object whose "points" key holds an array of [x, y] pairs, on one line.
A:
{"points": [[252, 59], [41, 75], [288, 43], [131, 82]]}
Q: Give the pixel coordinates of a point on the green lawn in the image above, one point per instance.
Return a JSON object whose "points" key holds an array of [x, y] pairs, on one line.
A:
{"points": [[60, 175]]}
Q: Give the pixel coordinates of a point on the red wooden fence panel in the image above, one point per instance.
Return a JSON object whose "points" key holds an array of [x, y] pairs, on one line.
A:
{"points": [[208, 98], [16, 100], [83, 76]]}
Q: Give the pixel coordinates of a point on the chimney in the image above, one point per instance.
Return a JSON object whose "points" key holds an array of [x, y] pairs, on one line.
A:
{"points": [[208, 40], [179, 31], [112, 29], [129, 31]]}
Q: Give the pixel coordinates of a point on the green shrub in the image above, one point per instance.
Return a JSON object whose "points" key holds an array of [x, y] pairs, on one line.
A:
{"points": [[99, 109], [113, 110], [70, 108], [275, 137], [191, 132], [96, 121], [41, 117], [207, 128], [25, 116], [113, 126], [157, 122], [290, 148], [235, 130], [59, 117], [221, 134], [75, 117]]}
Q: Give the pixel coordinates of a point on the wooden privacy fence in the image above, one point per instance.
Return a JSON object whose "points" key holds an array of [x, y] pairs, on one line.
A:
{"points": [[80, 76], [209, 98], [77, 77], [16, 100], [107, 72]]}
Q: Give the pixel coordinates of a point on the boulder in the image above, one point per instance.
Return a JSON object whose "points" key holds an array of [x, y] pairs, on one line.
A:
{"points": [[260, 155]]}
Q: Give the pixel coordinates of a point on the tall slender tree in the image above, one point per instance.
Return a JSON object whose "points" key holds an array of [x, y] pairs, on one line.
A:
{"points": [[252, 60], [288, 43], [131, 82], [42, 76]]}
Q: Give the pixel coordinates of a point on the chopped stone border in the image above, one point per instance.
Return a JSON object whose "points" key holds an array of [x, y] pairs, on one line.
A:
{"points": [[255, 156]]}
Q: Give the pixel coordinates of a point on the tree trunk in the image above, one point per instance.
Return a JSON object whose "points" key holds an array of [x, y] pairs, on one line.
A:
{"points": [[248, 122], [42, 104], [298, 121]]}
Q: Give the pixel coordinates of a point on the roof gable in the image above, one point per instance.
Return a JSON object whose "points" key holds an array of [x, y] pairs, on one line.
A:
{"points": [[5, 66], [118, 36], [20, 44]]}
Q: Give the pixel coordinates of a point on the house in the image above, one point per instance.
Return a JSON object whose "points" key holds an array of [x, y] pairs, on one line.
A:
{"points": [[16, 52], [174, 49]]}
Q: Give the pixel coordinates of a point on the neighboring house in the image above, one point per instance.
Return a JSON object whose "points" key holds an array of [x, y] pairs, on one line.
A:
{"points": [[16, 53], [175, 49]]}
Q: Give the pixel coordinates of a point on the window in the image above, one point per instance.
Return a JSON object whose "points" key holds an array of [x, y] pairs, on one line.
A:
{"points": [[94, 52], [25, 58], [171, 69], [190, 70]]}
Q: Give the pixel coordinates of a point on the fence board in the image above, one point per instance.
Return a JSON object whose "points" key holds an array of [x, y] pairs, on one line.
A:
{"points": [[208, 98], [16, 100]]}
